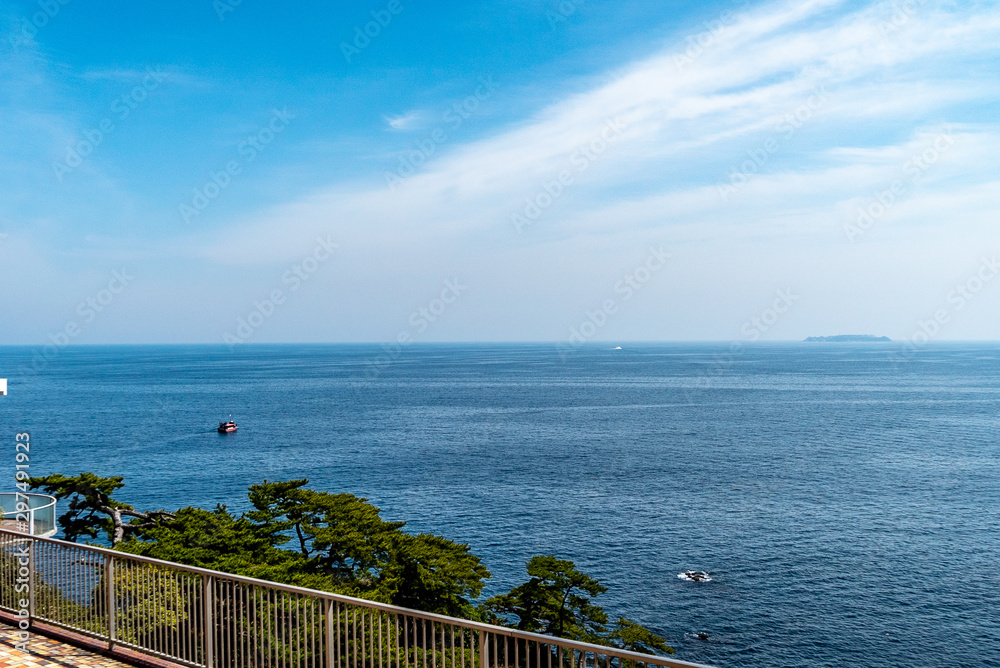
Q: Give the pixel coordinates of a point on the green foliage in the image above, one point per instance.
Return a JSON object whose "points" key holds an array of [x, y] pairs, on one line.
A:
{"points": [[147, 600], [218, 540], [344, 538], [626, 634], [339, 543], [343, 535], [90, 503], [557, 600], [432, 573], [343, 546]]}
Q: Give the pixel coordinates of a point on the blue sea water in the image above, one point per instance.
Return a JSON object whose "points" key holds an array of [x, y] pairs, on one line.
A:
{"points": [[845, 498]]}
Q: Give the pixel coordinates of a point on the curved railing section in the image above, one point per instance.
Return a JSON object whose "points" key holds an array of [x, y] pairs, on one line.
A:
{"points": [[207, 619], [33, 514]]}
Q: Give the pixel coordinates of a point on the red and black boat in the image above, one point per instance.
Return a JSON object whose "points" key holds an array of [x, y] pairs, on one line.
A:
{"points": [[227, 427]]}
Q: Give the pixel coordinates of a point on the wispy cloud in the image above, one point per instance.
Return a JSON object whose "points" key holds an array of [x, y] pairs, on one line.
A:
{"points": [[405, 122], [688, 124], [814, 108]]}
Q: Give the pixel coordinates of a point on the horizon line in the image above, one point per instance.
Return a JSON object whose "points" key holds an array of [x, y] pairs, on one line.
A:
{"points": [[410, 344]]}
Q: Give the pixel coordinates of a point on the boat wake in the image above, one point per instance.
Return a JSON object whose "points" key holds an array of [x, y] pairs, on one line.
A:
{"points": [[695, 576]]}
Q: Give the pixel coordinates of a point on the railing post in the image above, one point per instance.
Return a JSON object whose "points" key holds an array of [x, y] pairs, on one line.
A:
{"points": [[109, 592], [329, 633], [342, 651], [207, 587]]}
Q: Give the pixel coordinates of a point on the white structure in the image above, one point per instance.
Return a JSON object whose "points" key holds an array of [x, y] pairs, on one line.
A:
{"points": [[33, 514], [3, 386]]}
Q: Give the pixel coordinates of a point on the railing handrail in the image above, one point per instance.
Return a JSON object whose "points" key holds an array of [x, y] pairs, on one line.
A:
{"points": [[385, 607], [52, 501]]}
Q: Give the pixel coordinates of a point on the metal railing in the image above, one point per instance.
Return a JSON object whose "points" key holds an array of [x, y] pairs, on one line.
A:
{"points": [[207, 619], [33, 513]]}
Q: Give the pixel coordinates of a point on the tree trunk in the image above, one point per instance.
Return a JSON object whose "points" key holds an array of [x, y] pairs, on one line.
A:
{"points": [[119, 532]]}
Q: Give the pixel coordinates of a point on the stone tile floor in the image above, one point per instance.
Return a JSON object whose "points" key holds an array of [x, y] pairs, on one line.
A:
{"points": [[47, 653]]}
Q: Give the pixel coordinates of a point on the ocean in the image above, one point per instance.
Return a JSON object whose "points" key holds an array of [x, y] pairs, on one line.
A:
{"points": [[844, 498]]}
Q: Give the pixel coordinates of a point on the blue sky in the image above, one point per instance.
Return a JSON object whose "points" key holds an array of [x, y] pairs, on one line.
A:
{"points": [[530, 170]]}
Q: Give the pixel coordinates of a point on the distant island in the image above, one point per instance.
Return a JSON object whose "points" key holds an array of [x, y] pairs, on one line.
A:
{"points": [[848, 338]]}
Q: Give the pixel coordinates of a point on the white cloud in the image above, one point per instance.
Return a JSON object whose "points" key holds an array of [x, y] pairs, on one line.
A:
{"points": [[405, 122], [706, 112], [689, 120]]}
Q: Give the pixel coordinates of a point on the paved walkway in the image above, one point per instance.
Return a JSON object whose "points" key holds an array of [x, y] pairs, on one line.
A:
{"points": [[47, 653]]}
